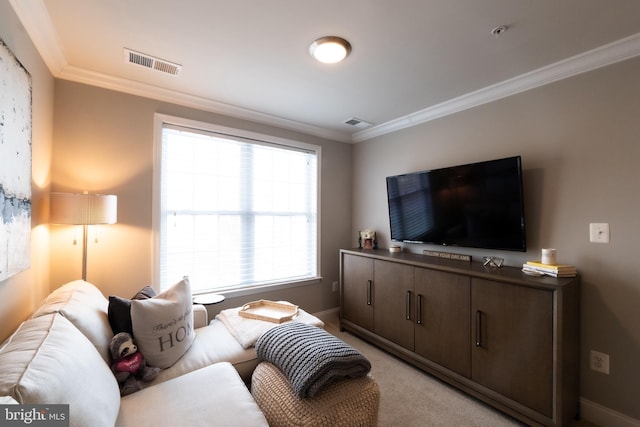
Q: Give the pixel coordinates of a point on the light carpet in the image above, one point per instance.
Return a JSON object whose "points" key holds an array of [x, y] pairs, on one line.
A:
{"points": [[409, 397], [412, 398]]}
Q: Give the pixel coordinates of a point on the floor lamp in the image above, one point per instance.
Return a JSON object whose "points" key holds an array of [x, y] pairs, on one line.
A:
{"points": [[83, 209]]}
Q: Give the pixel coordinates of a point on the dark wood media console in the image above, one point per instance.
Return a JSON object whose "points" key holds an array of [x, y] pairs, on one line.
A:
{"points": [[509, 339]]}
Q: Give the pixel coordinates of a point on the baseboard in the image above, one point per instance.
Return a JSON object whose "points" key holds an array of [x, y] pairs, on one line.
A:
{"points": [[328, 314], [603, 416]]}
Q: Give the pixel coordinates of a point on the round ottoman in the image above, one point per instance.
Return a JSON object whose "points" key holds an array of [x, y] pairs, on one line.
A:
{"points": [[350, 402]]}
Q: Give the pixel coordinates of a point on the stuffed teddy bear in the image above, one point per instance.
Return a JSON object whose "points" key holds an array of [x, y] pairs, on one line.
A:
{"points": [[128, 364]]}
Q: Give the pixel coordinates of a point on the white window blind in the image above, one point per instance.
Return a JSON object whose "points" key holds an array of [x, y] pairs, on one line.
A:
{"points": [[235, 212]]}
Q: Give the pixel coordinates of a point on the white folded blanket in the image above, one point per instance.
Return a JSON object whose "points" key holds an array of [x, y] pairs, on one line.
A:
{"points": [[247, 331]]}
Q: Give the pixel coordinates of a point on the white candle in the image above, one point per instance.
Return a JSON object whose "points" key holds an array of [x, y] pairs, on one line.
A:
{"points": [[549, 256]]}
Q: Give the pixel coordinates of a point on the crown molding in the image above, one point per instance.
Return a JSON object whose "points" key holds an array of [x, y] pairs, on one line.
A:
{"points": [[608, 54], [92, 78], [37, 22], [35, 18]]}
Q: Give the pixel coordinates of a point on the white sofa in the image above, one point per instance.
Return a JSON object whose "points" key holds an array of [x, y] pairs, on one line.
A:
{"points": [[61, 355]]}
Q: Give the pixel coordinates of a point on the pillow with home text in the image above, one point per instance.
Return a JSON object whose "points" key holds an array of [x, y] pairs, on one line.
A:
{"points": [[163, 325]]}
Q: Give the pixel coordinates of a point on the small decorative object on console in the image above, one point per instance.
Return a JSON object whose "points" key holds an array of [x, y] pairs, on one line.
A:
{"points": [[549, 256], [447, 255], [555, 270], [493, 261], [367, 239]]}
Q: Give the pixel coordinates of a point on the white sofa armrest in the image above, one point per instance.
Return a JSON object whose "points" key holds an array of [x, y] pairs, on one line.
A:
{"points": [[200, 316]]}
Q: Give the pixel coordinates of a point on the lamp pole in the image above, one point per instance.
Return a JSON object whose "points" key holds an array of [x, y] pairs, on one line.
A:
{"points": [[85, 229]]}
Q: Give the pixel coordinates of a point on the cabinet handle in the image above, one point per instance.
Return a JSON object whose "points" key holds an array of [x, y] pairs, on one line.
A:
{"points": [[478, 328], [369, 288], [408, 306], [419, 309]]}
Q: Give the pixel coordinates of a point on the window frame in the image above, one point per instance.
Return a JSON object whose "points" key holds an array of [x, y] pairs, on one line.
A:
{"points": [[159, 121]]}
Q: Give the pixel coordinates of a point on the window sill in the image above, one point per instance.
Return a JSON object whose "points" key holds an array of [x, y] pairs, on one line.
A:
{"points": [[259, 289]]}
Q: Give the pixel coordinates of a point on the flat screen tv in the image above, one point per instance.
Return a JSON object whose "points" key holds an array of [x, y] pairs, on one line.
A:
{"points": [[478, 205]]}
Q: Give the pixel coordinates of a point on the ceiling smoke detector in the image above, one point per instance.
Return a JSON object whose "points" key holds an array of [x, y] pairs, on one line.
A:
{"points": [[497, 31], [148, 61], [358, 122]]}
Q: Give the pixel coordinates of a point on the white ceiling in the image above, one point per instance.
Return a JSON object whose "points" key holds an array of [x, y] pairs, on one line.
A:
{"points": [[412, 60]]}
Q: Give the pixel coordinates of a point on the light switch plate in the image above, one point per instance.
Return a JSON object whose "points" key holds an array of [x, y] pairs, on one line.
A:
{"points": [[599, 232]]}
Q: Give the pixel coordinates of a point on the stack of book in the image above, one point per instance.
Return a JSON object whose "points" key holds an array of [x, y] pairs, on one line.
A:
{"points": [[555, 270]]}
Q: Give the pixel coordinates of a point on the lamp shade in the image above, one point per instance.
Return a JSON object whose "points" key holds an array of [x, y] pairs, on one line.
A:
{"points": [[83, 209]]}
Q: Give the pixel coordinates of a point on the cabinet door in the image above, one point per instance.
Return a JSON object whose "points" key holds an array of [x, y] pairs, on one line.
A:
{"points": [[442, 330], [393, 314], [357, 290], [512, 345]]}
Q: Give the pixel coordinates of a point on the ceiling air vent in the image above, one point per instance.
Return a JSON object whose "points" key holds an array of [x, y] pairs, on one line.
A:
{"points": [[358, 122], [148, 61]]}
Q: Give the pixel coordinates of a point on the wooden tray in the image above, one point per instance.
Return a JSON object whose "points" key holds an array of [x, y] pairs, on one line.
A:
{"points": [[271, 311]]}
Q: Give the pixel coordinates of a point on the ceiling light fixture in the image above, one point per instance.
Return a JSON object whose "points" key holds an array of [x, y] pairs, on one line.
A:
{"points": [[330, 49]]}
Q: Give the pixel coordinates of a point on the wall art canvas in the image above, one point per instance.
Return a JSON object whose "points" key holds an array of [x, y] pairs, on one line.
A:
{"points": [[15, 165]]}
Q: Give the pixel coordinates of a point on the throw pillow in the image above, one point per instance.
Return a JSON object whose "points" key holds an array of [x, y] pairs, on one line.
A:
{"points": [[119, 310], [163, 325]]}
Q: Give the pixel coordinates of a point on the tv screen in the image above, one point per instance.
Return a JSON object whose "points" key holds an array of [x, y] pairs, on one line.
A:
{"points": [[478, 205]]}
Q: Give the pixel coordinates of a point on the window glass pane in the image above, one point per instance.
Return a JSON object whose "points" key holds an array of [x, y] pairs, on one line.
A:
{"points": [[236, 212]]}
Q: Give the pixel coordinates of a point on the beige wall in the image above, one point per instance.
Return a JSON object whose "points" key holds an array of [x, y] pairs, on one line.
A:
{"points": [[103, 142], [579, 140], [20, 294]]}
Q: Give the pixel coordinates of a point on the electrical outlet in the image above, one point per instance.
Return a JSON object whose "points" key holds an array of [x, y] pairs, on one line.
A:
{"points": [[600, 362], [599, 232], [335, 286]]}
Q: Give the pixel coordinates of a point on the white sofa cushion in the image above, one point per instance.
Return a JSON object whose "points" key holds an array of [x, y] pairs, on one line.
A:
{"points": [[48, 360], [163, 325], [212, 396], [85, 306], [212, 344]]}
